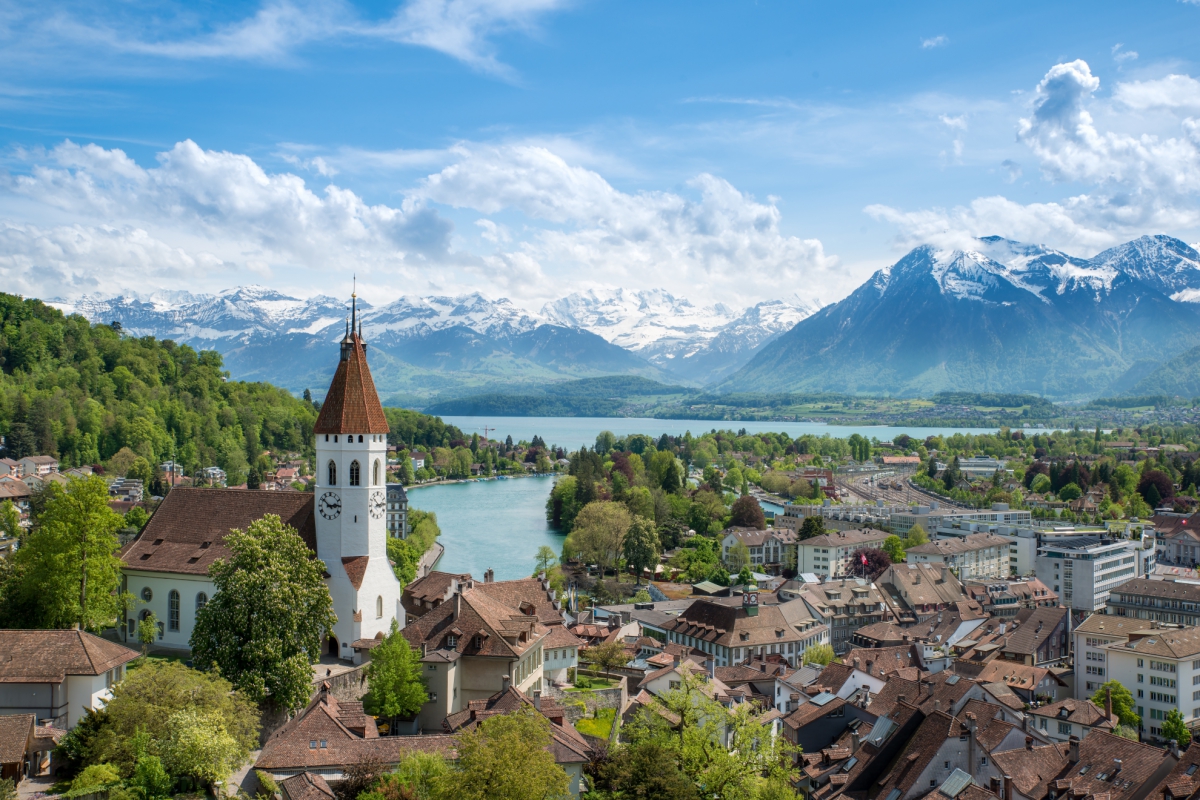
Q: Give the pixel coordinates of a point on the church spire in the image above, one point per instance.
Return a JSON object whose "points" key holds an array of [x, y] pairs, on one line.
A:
{"points": [[352, 404]]}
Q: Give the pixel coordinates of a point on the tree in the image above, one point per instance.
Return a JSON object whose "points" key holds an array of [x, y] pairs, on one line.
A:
{"points": [[812, 526], [1070, 492], [359, 776], [506, 757], [737, 556], [733, 479], [877, 562], [143, 716], [748, 513], [150, 778], [1122, 702], [641, 546], [916, 537], [545, 558], [10, 520], [67, 570], [1175, 728], [397, 687], [147, 631], [253, 478], [8, 789], [142, 471], [264, 627], [600, 531], [405, 470], [606, 656], [1040, 484], [894, 548], [1163, 487], [819, 654], [136, 518], [647, 768], [745, 577], [419, 772]]}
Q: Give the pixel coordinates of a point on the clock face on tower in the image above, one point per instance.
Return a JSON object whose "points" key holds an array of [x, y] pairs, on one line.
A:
{"points": [[330, 505], [378, 503]]}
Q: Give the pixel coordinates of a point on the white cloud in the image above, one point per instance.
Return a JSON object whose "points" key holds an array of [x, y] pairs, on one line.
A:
{"points": [[202, 218], [1121, 56], [461, 29], [935, 41], [1134, 184]]}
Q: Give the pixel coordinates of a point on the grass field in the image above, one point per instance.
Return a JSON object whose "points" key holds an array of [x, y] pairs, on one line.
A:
{"points": [[599, 726]]}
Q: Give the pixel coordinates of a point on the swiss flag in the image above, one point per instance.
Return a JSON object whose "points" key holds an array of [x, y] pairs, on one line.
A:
{"points": [[864, 559]]}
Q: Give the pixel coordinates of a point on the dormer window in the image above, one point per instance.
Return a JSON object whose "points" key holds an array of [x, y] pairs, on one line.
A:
{"points": [[452, 641]]}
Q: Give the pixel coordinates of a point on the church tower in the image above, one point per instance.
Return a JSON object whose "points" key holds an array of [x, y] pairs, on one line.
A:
{"points": [[351, 501]]}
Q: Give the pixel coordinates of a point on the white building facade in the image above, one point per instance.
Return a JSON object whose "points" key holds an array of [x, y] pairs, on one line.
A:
{"points": [[1082, 570]]}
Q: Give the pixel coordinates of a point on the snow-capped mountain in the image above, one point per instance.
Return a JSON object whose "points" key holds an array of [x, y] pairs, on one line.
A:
{"points": [[700, 343], [1005, 316]]}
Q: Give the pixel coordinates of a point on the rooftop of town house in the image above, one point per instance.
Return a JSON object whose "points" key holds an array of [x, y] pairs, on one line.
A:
{"points": [[1082, 712], [472, 623], [849, 538], [49, 656]]}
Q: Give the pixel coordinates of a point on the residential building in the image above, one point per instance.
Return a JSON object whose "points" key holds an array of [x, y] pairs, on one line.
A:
{"points": [[429, 592], [979, 555], [919, 592], [17, 491], [1161, 667], [1165, 601], [1039, 637], [980, 466], [9, 467], [833, 555], [342, 522], [1082, 570], [417, 458], [769, 551], [1091, 640], [473, 646], [560, 652], [397, 511], [38, 465], [1004, 598], [129, 490], [1059, 721], [1178, 537], [845, 605], [58, 675], [730, 634], [1102, 765]]}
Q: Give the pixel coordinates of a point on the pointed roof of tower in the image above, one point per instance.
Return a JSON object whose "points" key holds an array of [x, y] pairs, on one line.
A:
{"points": [[352, 405]]}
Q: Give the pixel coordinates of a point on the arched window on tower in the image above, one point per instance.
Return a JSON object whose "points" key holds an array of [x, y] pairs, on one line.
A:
{"points": [[354, 473], [332, 473], [379, 607], [375, 474]]}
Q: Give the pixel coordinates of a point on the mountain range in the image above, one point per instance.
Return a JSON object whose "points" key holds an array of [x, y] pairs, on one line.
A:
{"points": [[1002, 316], [427, 348]]}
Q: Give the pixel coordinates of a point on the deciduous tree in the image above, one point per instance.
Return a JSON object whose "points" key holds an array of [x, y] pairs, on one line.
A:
{"points": [[397, 688], [507, 757], [1122, 702], [819, 654], [599, 532], [747, 513], [894, 548], [641, 545], [1174, 727], [264, 627]]}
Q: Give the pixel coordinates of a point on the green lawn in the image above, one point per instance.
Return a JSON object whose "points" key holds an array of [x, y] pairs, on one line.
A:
{"points": [[599, 726], [596, 683]]}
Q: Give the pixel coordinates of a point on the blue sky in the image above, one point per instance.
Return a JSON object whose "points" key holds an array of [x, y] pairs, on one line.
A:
{"points": [[727, 152]]}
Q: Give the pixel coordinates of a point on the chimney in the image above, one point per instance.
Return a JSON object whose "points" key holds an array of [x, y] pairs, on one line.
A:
{"points": [[854, 742], [937, 705], [457, 605], [971, 721], [1028, 742], [1173, 746], [1073, 747], [1108, 712], [856, 663], [506, 682], [994, 784], [901, 699], [537, 699], [870, 664], [1008, 787]]}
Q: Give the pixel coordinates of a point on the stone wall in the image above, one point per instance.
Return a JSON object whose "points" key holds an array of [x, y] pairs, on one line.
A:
{"points": [[348, 686], [615, 698]]}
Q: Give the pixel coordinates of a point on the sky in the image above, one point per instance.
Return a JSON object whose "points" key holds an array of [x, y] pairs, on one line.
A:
{"points": [[729, 152]]}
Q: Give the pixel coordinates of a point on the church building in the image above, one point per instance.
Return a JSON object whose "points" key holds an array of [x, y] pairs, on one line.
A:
{"points": [[343, 522]]}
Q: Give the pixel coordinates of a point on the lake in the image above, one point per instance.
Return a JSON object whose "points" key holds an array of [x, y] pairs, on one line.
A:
{"points": [[497, 524], [570, 432]]}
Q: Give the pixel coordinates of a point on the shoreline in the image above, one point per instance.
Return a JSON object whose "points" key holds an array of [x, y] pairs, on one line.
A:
{"points": [[453, 481]]}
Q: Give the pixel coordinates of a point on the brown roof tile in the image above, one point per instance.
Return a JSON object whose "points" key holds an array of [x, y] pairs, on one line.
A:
{"points": [[524, 594], [356, 568], [306, 786], [907, 767], [352, 405], [49, 656], [484, 627], [187, 532], [16, 734]]}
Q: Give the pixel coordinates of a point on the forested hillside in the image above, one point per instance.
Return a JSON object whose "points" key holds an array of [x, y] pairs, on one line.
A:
{"points": [[82, 392]]}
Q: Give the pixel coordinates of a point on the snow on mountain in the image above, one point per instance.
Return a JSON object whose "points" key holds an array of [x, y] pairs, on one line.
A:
{"points": [[415, 316], [654, 321]]}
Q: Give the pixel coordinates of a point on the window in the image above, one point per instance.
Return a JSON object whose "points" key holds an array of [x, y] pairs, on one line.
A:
{"points": [[324, 743], [1043, 723], [452, 641], [375, 474], [1064, 728], [173, 610], [147, 594], [354, 473], [379, 607], [312, 744], [201, 601], [360, 438], [332, 473], [433, 697]]}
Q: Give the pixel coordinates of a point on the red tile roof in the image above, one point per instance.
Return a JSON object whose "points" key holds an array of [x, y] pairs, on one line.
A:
{"points": [[16, 733], [187, 532], [356, 568], [306, 786], [352, 405]]}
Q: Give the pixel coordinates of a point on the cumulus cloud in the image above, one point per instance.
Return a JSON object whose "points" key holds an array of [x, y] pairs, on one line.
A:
{"points": [[716, 242], [202, 218], [934, 41], [1135, 183]]}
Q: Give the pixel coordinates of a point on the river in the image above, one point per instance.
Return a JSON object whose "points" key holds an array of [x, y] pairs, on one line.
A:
{"points": [[570, 432], [496, 524]]}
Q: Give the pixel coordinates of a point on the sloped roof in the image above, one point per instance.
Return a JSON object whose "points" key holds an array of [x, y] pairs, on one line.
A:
{"points": [[15, 732], [568, 745], [524, 590], [1184, 780], [477, 613], [967, 544], [187, 533], [1035, 630], [42, 656], [306, 786], [352, 404], [1083, 712], [921, 749]]}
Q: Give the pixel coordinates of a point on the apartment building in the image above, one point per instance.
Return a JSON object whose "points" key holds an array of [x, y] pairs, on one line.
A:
{"points": [[1162, 669], [932, 517], [1165, 601], [767, 551], [1091, 640], [833, 554], [397, 511], [979, 555], [1083, 570], [845, 605]]}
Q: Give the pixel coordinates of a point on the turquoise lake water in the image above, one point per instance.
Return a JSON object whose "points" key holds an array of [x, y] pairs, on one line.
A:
{"points": [[570, 432], [496, 524]]}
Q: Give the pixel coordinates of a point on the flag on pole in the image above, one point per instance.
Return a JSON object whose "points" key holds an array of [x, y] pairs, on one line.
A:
{"points": [[864, 559]]}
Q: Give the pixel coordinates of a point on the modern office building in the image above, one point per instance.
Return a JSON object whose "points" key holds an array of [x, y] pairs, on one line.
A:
{"points": [[1083, 570], [980, 555]]}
